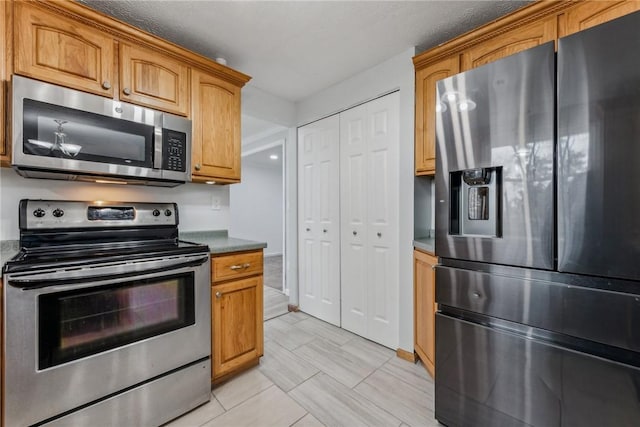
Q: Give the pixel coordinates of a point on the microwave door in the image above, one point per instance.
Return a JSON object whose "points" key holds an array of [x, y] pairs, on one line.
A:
{"points": [[60, 129]]}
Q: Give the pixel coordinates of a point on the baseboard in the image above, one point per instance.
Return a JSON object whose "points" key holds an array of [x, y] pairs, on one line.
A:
{"points": [[267, 255], [292, 307], [409, 356]]}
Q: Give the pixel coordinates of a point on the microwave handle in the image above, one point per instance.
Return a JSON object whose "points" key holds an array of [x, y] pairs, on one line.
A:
{"points": [[34, 281], [157, 147]]}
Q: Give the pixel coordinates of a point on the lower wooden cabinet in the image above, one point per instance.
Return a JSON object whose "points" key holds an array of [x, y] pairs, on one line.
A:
{"points": [[237, 338], [424, 297]]}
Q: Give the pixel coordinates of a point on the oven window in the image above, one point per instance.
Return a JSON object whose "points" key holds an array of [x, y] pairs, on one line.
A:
{"points": [[76, 324], [55, 131]]}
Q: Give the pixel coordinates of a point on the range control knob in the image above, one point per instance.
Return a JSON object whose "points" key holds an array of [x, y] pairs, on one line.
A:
{"points": [[58, 213], [39, 213], [167, 212], [156, 212]]}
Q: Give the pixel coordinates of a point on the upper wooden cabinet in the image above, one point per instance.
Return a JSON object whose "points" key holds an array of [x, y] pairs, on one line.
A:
{"points": [[509, 43], [216, 129], [154, 80], [5, 152], [425, 142], [69, 44], [590, 13], [60, 50]]}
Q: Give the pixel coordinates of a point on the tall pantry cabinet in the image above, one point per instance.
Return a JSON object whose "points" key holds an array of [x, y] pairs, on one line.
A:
{"points": [[348, 219]]}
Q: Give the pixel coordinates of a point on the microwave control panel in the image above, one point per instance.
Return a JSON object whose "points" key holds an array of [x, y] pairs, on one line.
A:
{"points": [[174, 150]]}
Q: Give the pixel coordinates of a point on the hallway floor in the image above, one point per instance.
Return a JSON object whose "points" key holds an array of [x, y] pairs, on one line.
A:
{"points": [[314, 374]]}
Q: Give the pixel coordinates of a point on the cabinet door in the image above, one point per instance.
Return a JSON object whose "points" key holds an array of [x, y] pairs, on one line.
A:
{"points": [[425, 143], [216, 129], [5, 154], [154, 80], [237, 335], [56, 49], [513, 41], [590, 13], [425, 308]]}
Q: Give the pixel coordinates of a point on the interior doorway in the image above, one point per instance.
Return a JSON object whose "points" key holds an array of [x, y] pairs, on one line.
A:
{"points": [[257, 213]]}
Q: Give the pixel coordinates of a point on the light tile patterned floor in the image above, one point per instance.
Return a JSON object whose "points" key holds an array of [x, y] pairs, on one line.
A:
{"points": [[315, 374]]}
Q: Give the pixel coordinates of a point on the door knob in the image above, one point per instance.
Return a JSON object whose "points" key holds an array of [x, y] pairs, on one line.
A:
{"points": [[355, 233], [218, 295], [106, 84], [197, 166], [126, 91]]}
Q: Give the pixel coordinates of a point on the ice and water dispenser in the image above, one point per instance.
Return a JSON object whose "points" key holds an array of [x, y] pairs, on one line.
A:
{"points": [[475, 202]]}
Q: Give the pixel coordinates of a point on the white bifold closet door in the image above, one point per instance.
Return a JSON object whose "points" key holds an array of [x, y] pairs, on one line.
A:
{"points": [[369, 139], [319, 219]]}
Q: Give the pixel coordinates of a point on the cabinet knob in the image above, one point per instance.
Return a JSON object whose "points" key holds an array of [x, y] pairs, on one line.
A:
{"points": [[324, 230], [106, 84], [197, 166], [218, 294], [355, 233], [308, 229], [126, 91], [379, 234]]}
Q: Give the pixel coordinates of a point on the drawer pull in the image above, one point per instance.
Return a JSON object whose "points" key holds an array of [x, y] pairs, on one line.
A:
{"points": [[240, 267]]}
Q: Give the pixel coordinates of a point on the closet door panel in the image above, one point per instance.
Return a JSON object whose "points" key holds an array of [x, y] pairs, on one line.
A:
{"points": [[353, 218], [318, 219], [382, 225]]}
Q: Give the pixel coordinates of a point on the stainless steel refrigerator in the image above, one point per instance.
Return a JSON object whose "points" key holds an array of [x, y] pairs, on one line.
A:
{"points": [[538, 230]]}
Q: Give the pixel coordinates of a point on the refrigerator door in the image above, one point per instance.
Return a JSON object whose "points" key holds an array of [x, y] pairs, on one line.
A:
{"points": [[599, 150], [495, 167]]}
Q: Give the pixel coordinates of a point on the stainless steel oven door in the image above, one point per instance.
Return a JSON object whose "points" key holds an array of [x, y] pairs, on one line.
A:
{"points": [[77, 336]]}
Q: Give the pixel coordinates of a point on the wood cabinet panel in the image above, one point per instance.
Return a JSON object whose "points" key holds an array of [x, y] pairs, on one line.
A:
{"points": [[425, 136], [586, 14], [216, 129], [5, 152], [237, 329], [425, 308], [60, 50], [154, 80], [236, 266], [511, 42]]}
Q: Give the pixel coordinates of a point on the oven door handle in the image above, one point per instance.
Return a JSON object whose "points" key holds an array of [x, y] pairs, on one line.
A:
{"points": [[35, 281]]}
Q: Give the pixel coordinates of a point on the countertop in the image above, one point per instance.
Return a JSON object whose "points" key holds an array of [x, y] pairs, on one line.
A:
{"points": [[425, 244], [219, 241]]}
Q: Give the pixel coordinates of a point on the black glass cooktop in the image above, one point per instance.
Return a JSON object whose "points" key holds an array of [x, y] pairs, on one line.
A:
{"points": [[66, 255]]}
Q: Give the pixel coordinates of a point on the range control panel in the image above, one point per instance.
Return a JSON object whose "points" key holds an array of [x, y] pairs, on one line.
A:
{"points": [[54, 214]]}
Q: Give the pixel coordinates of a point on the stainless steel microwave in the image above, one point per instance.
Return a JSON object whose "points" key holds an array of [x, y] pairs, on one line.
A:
{"points": [[61, 133]]}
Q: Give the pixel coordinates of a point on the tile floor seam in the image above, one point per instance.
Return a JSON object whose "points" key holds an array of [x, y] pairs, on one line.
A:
{"points": [[293, 423]]}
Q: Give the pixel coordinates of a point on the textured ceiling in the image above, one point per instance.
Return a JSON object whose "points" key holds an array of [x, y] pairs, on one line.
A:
{"points": [[293, 49]]}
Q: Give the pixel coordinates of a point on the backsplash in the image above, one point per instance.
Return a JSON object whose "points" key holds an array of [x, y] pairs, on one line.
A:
{"points": [[194, 200]]}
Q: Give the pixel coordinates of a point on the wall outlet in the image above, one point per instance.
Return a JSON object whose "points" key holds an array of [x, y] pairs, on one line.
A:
{"points": [[215, 202]]}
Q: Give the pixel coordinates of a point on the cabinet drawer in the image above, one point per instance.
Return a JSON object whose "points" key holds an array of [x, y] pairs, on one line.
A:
{"points": [[244, 264]]}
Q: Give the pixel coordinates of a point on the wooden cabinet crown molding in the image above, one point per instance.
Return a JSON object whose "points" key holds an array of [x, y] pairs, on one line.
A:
{"points": [[523, 16], [122, 31]]}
